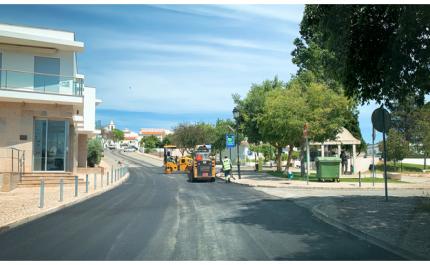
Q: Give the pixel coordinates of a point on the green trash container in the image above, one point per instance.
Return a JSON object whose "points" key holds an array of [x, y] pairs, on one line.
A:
{"points": [[328, 168]]}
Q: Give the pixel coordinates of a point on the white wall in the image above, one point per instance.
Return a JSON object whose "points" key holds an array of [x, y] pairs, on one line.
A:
{"points": [[23, 61], [89, 108], [416, 161], [49, 33]]}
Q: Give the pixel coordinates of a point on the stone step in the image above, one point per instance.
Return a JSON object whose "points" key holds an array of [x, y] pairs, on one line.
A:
{"points": [[21, 185], [50, 177], [46, 174], [52, 181]]}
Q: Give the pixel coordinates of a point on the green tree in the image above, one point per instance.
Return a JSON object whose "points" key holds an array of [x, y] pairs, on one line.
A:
{"points": [[94, 152], [219, 135], [118, 135], [187, 136], [256, 149], [167, 140], [397, 147], [303, 101], [155, 142], [252, 106], [311, 57], [422, 132], [377, 52]]}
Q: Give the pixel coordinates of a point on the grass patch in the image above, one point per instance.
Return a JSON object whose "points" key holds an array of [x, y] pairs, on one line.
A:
{"points": [[313, 178], [406, 167], [424, 202]]}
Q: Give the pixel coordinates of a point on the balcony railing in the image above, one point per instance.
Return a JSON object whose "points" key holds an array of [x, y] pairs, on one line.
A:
{"points": [[44, 83], [98, 124]]}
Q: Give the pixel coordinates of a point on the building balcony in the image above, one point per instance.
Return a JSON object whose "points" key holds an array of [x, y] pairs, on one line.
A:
{"points": [[40, 83]]}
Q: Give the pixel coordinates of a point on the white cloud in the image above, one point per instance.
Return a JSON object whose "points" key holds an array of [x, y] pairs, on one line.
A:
{"points": [[291, 13]]}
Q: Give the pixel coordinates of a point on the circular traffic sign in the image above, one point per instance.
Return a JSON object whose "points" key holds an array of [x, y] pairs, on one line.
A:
{"points": [[381, 123], [305, 130], [249, 152]]}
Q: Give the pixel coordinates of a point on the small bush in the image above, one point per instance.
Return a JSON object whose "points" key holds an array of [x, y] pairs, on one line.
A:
{"points": [[94, 152], [149, 150]]}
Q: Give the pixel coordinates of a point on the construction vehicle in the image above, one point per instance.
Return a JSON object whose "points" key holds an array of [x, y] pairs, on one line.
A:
{"points": [[170, 164], [202, 166]]}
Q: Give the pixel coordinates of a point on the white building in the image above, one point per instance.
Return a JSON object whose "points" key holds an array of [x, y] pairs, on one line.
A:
{"points": [[159, 133], [47, 113], [130, 138]]}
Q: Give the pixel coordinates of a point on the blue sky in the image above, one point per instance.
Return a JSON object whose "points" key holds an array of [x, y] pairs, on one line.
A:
{"points": [[182, 62]]}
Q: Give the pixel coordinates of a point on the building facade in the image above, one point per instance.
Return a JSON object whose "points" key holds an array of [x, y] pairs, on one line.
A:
{"points": [[47, 113]]}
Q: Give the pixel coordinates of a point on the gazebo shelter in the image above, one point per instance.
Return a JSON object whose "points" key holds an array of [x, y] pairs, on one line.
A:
{"points": [[345, 138]]}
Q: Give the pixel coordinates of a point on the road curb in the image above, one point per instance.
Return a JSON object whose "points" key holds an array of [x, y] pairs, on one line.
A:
{"points": [[401, 251], [35, 216], [319, 188]]}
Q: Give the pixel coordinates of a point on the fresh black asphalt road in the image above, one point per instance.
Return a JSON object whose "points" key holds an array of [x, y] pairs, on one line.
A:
{"points": [[154, 216]]}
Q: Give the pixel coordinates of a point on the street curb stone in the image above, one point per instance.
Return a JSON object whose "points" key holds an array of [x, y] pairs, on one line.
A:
{"points": [[319, 188], [406, 253], [35, 216]]}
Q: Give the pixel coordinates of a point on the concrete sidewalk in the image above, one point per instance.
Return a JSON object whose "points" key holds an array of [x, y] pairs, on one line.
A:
{"points": [[21, 205]]}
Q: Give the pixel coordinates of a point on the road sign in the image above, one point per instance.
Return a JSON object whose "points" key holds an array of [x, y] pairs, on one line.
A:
{"points": [[249, 152], [377, 120], [305, 130], [229, 139], [208, 146]]}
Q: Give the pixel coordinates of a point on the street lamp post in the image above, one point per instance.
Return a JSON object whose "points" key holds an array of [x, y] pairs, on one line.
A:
{"points": [[236, 116]]}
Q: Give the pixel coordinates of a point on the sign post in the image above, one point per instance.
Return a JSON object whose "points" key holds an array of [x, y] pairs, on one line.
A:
{"points": [[381, 121], [229, 142], [305, 134], [373, 151]]}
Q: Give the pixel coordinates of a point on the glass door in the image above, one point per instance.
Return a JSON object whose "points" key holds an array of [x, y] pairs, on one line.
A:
{"points": [[39, 150], [50, 145]]}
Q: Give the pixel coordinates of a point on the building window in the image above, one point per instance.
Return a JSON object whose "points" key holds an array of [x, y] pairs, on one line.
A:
{"points": [[45, 65]]}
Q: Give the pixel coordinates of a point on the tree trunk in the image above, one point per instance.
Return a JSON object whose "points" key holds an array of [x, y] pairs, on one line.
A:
{"points": [[425, 160], [302, 161], [220, 158], [290, 152], [279, 160], [395, 170]]}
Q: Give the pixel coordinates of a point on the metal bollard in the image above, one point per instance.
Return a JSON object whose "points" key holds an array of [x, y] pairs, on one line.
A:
{"points": [[115, 175], [86, 184], [101, 181], [359, 177], [111, 176], [76, 186], [61, 190], [42, 187], [107, 179], [95, 181]]}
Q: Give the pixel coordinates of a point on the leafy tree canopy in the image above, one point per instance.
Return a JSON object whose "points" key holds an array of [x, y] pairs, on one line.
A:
{"points": [[118, 134], [252, 106], [397, 147], [187, 135], [377, 52]]}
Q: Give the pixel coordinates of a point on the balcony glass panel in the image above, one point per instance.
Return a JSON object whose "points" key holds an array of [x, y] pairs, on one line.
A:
{"points": [[26, 81], [98, 124]]}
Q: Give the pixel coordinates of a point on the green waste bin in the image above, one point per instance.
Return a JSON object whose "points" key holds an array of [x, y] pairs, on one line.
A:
{"points": [[328, 168]]}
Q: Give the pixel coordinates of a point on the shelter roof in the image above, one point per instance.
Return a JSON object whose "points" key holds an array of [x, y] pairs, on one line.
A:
{"points": [[344, 137]]}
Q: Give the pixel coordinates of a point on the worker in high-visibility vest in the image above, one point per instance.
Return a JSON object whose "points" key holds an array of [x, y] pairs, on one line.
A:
{"points": [[226, 167]]}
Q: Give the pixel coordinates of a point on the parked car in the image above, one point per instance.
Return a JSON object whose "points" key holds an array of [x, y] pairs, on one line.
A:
{"points": [[134, 147], [129, 149], [112, 147]]}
